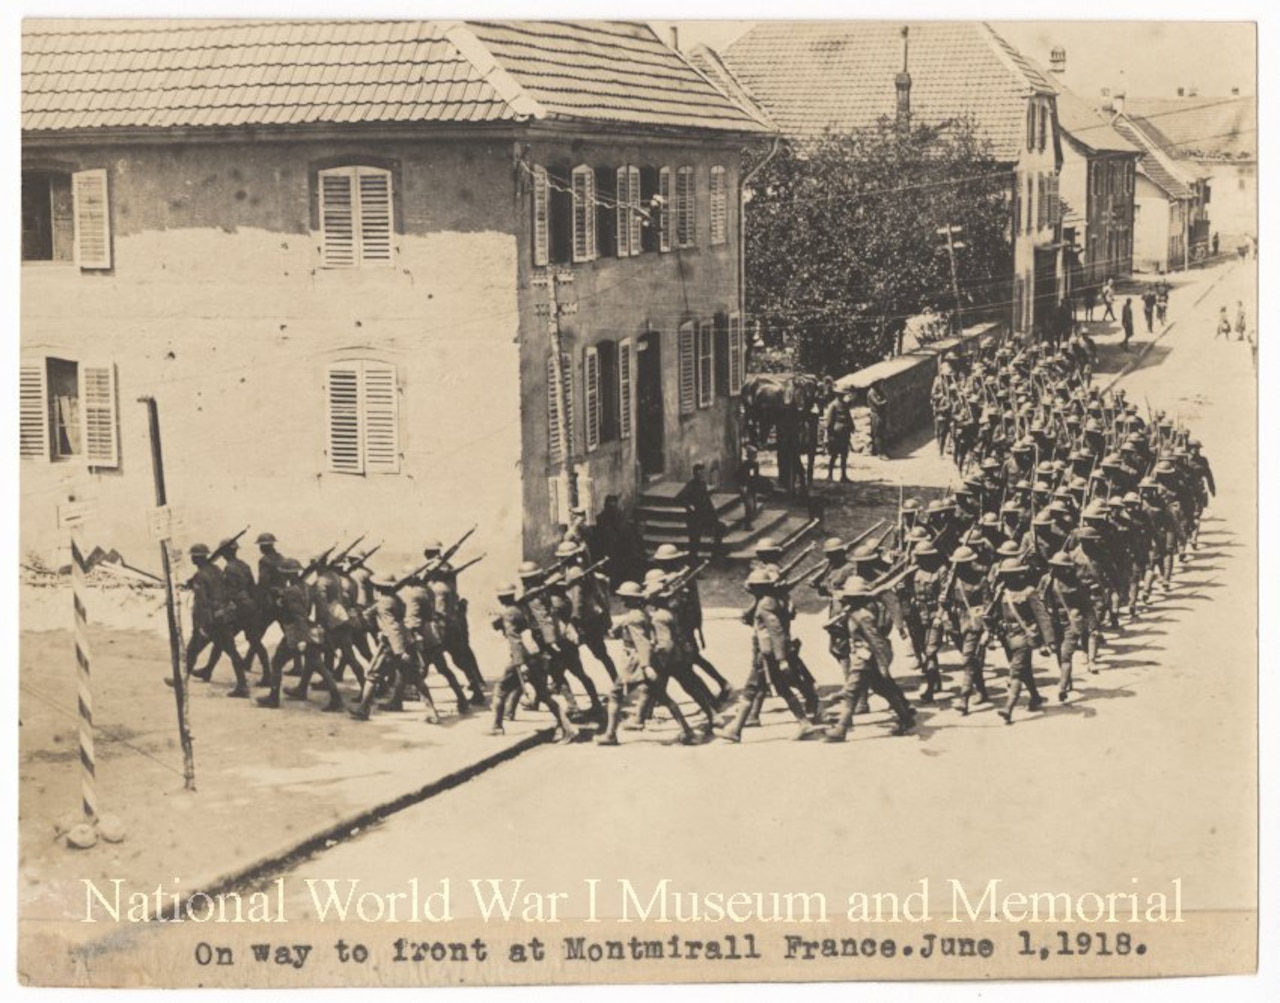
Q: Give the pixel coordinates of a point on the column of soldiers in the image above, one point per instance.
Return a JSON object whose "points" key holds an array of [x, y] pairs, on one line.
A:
{"points": [[1073, 511]]}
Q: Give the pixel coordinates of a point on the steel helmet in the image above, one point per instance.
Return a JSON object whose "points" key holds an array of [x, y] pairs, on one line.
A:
{"points": [[630, 590], [670, 552], [529, 569], [833, 545], [963, 555], [199, 550], [567, 548]]}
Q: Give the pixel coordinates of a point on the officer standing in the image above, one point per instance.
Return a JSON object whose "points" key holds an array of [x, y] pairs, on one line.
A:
{"points": [[838, 422]]}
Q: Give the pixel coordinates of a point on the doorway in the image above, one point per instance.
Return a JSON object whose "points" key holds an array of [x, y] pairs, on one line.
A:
{"points": [[649, 405]]}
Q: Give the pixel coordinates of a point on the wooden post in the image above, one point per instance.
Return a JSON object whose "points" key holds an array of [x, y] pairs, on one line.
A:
{"points": [[171, 606]]}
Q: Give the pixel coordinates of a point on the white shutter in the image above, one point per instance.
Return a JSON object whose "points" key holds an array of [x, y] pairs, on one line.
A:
{"points": [[686, 214], [634, 218], [591, 396], [337, 219], [584, 214], [719, 206], [541, 216], [625, 356], [737, 355], [381, 424], [559, 407], [33, 409], [623, 214], [706, 363], [92, 221], [346, 453], [99, 415], [688, 378], [374, 215], [668, 211]]}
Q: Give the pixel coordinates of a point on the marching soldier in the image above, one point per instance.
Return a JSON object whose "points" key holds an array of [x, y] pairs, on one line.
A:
{"points": [[966, 599], [449, 614], [525, 665], [421, 627], [686, 604], [213, 616], [1026, 625]]}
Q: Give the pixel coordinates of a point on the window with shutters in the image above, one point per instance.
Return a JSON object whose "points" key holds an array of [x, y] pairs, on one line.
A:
{"points": [[706, 353], [363, 399], [719, 205], [1044, 125], [626, 363], [688, 370], [1041, 201], [686, 208], [356, 217], [1031, 125], [591, 397], [584, 214], [666, 208], [1017, 210], [541, 216], [737, 355], [66, 217], [559, 408], [629, 221], [607, 364], [1031, 201], [69, 411]]}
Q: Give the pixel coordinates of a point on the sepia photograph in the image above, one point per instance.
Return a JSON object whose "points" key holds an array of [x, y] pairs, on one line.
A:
{"points": [[546, 502]]}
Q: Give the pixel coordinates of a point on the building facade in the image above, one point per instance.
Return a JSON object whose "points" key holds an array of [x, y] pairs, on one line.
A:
{"points": [[328, 251]]}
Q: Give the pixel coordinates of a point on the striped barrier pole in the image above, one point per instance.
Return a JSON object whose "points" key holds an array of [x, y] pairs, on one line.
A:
{"points": [[84, 689]]}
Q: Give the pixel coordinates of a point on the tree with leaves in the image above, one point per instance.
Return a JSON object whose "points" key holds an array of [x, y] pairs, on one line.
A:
{"points": [[843, 242]]}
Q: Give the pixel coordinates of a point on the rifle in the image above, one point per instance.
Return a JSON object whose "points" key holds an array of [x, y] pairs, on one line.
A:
{"points": [[226, 543], [682, 578], [786, 568], [463, 567], [883, 536], [538, 590], [790, 583], [347, 549], [434, 563], [866, 533], [359, 562], [318, 562]]}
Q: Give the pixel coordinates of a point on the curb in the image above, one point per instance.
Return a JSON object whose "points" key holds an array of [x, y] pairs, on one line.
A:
{"points": [[338, 831], [1146, 349]]}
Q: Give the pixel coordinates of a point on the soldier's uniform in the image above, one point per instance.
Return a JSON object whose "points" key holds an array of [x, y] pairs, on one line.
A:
{"points": [[450, 615], [927, 584], [213, 617], [670, 653], [422, 627], [866, 623], [525, 664], [589, 614], [1026, 626], [966, 601]]}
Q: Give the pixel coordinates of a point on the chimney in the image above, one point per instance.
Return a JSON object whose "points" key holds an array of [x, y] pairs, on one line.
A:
{"points": [[1118, 103], [902, 82], [1193, 91], [675, 37], [1235, 92], [1058, 60], [1182, 92]]}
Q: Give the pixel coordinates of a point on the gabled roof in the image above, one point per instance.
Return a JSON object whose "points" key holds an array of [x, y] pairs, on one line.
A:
{"points": [[1156, 165], [134, 74], [1082, 124], [709, 63], [1200, 128], [814, 76]]}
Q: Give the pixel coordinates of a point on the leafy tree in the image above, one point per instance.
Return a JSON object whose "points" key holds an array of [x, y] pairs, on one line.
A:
{"points": [[843, 243]]}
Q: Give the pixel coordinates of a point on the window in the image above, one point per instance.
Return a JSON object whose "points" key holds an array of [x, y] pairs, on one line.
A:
{"points": [[66, 217], [1031, 125], [722, 354], [591, 396], [584, 214], [628, 221], [355, 217], [666, 210], [1128, 178], [688, 378], [1017, 210], [606, 203], [541, 216], [719, 199], [737, 355], [364, 417], [559, 407], [626, 360], [1053, 200], [608, 354], [1044, 125], [68, 411], [1042, 201], [1031, 200], [686, 208], [706, 352]]}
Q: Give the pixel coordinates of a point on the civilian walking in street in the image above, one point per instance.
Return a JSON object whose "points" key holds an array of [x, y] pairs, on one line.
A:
{"points": [[1108, 301], [1223, 328], [1090, 301], [1126, 321], [1149, 306], [1240, 320]]}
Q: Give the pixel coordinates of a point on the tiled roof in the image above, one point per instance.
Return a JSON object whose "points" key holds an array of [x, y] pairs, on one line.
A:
{"points": [[1079, 120], [1154, 163], [1203, 128], [812, 76], [709, 63], [91, 74]]}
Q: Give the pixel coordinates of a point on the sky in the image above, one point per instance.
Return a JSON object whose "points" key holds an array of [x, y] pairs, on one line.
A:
{"points": [[1142, 58]]}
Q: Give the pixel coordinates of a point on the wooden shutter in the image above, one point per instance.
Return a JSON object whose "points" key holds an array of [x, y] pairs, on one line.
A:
{"points": [[380, 419], [584, 214], [559, 407], [635, 221], [706, 363], [719, 206], [625, 362], [346, 444], [92, 229], [591, 397], [667, 213], [337, 219], [33, 409], [1017, 210], [374, 215], [99, 415], [541, 216], [622, 213], [686, 209], [737, 355], [688, 372]]}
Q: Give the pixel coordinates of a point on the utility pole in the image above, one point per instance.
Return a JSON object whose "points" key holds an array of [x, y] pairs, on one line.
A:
{"points": [[553, 310], [170, 597], [952, 246]]}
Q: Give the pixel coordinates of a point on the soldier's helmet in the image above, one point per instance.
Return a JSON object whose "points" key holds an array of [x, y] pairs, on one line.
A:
{"points": [[1012, 566], [1023, 446], [1009, 549], [1193, 444], [1088, 533], [630, 590], [385, 580], [910, 505], [1023, 485], [1164, 467], [990, 463], [1112, 460], [529, 570], [572, 575], [1093, 425], [767, 545], [567, 548], [1060, 560], [1115, 502], [1041, 488], [963, 555], [432, 548], [854, 588], [506, 590], [265, 539], [1079, 484], [290, 566], [865, 553], [670, 552], [1132, 498], [199, 550], [1010, 508], [1072, 419], [1045, 468], [926, 549], [917, 534], [1044, 517], [229, 544], [654, 575], [1148, 483], [1096, 509], [990, 519], [760, 577], [833, 545]]}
